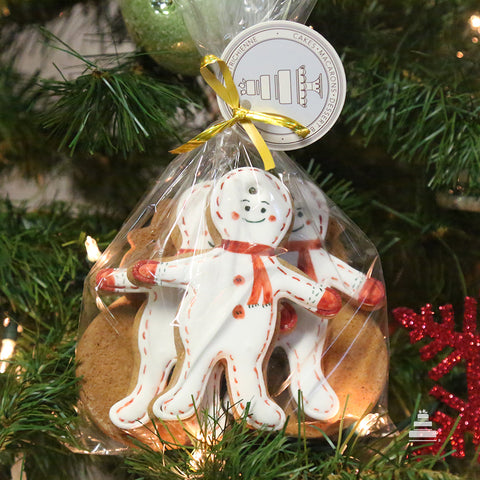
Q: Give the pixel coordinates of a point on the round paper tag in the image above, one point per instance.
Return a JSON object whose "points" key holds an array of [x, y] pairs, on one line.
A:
{"points": [[287, 68]]}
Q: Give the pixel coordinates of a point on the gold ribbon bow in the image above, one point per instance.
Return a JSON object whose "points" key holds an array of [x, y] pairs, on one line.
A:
{"points": [[229, 94]]}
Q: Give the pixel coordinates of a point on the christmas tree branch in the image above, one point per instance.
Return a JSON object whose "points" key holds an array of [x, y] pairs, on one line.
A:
{"points": [[242, 453], [110, 110], [413, 72], [42, 266], [23, 144]]}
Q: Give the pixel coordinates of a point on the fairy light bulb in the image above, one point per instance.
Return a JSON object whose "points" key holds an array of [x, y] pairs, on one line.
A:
{"points": [[9, 341], [93, 252], [474, 21], [367, 424]]}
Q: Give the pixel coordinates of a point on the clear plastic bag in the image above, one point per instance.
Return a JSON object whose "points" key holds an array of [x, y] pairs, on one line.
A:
{"points": [[213, 23], [238, 292], [232, 292]]}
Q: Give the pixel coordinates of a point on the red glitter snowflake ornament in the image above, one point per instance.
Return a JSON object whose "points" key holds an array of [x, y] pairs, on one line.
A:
{"points": [[466, 346]]}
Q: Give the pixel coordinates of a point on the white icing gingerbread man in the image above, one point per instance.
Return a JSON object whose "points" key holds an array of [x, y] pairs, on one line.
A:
{"points": [[156, 343], [304, 344], [229, 311]]}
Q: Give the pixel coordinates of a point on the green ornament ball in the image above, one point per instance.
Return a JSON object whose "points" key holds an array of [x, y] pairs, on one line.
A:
{"points": [[157, 26]]}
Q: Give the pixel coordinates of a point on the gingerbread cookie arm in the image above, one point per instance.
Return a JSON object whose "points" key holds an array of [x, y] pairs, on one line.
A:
{"points": [[176, 272], [115, 280], [330, 270], [295, 286]]}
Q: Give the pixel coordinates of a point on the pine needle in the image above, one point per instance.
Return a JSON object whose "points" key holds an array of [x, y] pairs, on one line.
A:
{"points": [[110, 110]]}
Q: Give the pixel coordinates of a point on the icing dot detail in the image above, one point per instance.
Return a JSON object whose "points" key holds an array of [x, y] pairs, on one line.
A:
{"points": [[238, 280], [238, 312]]}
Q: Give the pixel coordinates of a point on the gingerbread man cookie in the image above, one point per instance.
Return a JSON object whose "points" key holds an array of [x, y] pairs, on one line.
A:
{"points": [[305, 249], [156, 318], [229, 311], [304, 345]]}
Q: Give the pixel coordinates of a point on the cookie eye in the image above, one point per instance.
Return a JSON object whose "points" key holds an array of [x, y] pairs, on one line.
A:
{"points": [[252, 190], [263, 210], [247, 208], [300, 214]]}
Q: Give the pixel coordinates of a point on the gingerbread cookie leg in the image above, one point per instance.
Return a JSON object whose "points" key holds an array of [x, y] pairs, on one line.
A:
{"points": [[244, 380], [213, 409], [248, 393], [304, 348], [184, 398], [156, 349]]}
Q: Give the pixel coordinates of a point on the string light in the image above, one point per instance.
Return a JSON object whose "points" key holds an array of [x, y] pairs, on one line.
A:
{"points": [[198, 459], [202, 451], [6, 352], [474, 21], [8, 343], [367, 423], [93, 252]]}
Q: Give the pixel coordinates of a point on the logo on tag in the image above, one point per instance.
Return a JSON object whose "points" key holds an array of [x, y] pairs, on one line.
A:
{"points": [[289, 69], [422, 431]]}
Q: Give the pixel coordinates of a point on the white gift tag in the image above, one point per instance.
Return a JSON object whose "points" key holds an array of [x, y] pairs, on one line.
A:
{"points": [[287, 68]]}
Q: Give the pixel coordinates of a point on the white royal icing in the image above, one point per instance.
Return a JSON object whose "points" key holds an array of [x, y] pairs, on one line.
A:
{"points": [[227, 315], [304, 345], [156, 344]]}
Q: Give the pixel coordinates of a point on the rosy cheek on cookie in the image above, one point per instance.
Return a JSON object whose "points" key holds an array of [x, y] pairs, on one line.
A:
{"points": [[235, 216], [308, 222], [272, 218]]}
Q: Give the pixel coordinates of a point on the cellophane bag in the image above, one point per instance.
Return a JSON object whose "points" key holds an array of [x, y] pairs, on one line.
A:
{"points": [[232, 293], [212, 24]]}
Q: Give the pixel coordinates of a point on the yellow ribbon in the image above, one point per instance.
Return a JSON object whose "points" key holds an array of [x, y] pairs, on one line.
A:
{"points": [[229, 94]]}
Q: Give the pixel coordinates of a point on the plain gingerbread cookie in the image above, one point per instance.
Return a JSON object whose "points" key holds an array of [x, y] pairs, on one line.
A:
{"points": [[106, 356]]}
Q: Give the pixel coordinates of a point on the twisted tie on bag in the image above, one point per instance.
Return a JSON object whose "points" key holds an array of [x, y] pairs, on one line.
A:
{"points": [[229, 94]]}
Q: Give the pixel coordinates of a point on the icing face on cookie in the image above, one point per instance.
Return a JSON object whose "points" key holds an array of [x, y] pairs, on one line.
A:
{"points": [[311, 221], [249, 205]]}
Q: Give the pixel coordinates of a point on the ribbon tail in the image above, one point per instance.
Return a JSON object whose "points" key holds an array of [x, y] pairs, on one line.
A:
{"points": [[259, 142], [279, 120], [201, 138], [228, 92]]}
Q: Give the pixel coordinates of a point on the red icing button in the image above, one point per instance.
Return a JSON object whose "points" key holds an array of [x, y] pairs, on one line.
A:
{"points": [[238, 280], [288, 318], [238, 312]]}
